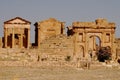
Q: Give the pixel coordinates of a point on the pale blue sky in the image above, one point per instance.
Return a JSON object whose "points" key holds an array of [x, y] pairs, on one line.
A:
{"points": [[63, 10]]}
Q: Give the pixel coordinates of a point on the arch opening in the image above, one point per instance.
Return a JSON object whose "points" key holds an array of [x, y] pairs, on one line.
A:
{"points": [[94, 46]]}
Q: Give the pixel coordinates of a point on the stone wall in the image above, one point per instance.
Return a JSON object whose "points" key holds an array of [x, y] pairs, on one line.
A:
{"points": [[8, 54], [58, 45], [55, 48]]}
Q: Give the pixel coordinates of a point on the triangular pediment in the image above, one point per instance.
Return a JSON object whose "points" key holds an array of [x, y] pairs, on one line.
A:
{"points": [[17, 20]]}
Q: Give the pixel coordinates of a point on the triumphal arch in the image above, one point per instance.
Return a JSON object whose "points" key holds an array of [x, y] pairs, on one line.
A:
{"points": [[89, 36], [17, 33]]}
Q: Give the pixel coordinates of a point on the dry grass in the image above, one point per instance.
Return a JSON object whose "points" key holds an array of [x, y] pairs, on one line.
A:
{"points": [[57, 73]]}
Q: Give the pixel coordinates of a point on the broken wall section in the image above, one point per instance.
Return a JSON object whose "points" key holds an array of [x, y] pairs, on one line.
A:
{"points": [[60, 46]]}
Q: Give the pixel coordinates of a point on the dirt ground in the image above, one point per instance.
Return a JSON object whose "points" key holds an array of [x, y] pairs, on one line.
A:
{"points": [[58, 73]]}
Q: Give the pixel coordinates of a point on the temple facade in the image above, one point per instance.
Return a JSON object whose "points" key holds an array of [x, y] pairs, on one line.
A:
{"points": [[46, 29], [16, 33]]}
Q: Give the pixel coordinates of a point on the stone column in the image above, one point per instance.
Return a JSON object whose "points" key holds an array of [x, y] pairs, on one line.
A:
{"points": [[63, 27], [21, 40], [13, 37], [74, 44], [113, 47], [86, 45], [28, 38], [38, 37], [5, 37]]}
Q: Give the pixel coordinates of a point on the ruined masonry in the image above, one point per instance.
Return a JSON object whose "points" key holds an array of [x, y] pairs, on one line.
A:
{"points": [[82, 38], [90, 36]]}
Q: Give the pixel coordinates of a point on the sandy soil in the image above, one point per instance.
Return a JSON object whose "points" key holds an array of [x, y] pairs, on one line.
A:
{"points": [[57, 73]]}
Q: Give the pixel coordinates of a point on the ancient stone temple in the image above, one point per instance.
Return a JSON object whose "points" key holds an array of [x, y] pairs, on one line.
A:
{"points": [[90, 36], [46, 29], [17, 33]]}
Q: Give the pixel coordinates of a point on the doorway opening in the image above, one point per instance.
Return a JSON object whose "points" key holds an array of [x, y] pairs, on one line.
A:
{"points": [[94, 46]]}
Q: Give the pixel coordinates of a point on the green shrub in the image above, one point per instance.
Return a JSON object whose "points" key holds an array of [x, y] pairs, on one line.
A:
{"points": [[104, 53]]}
